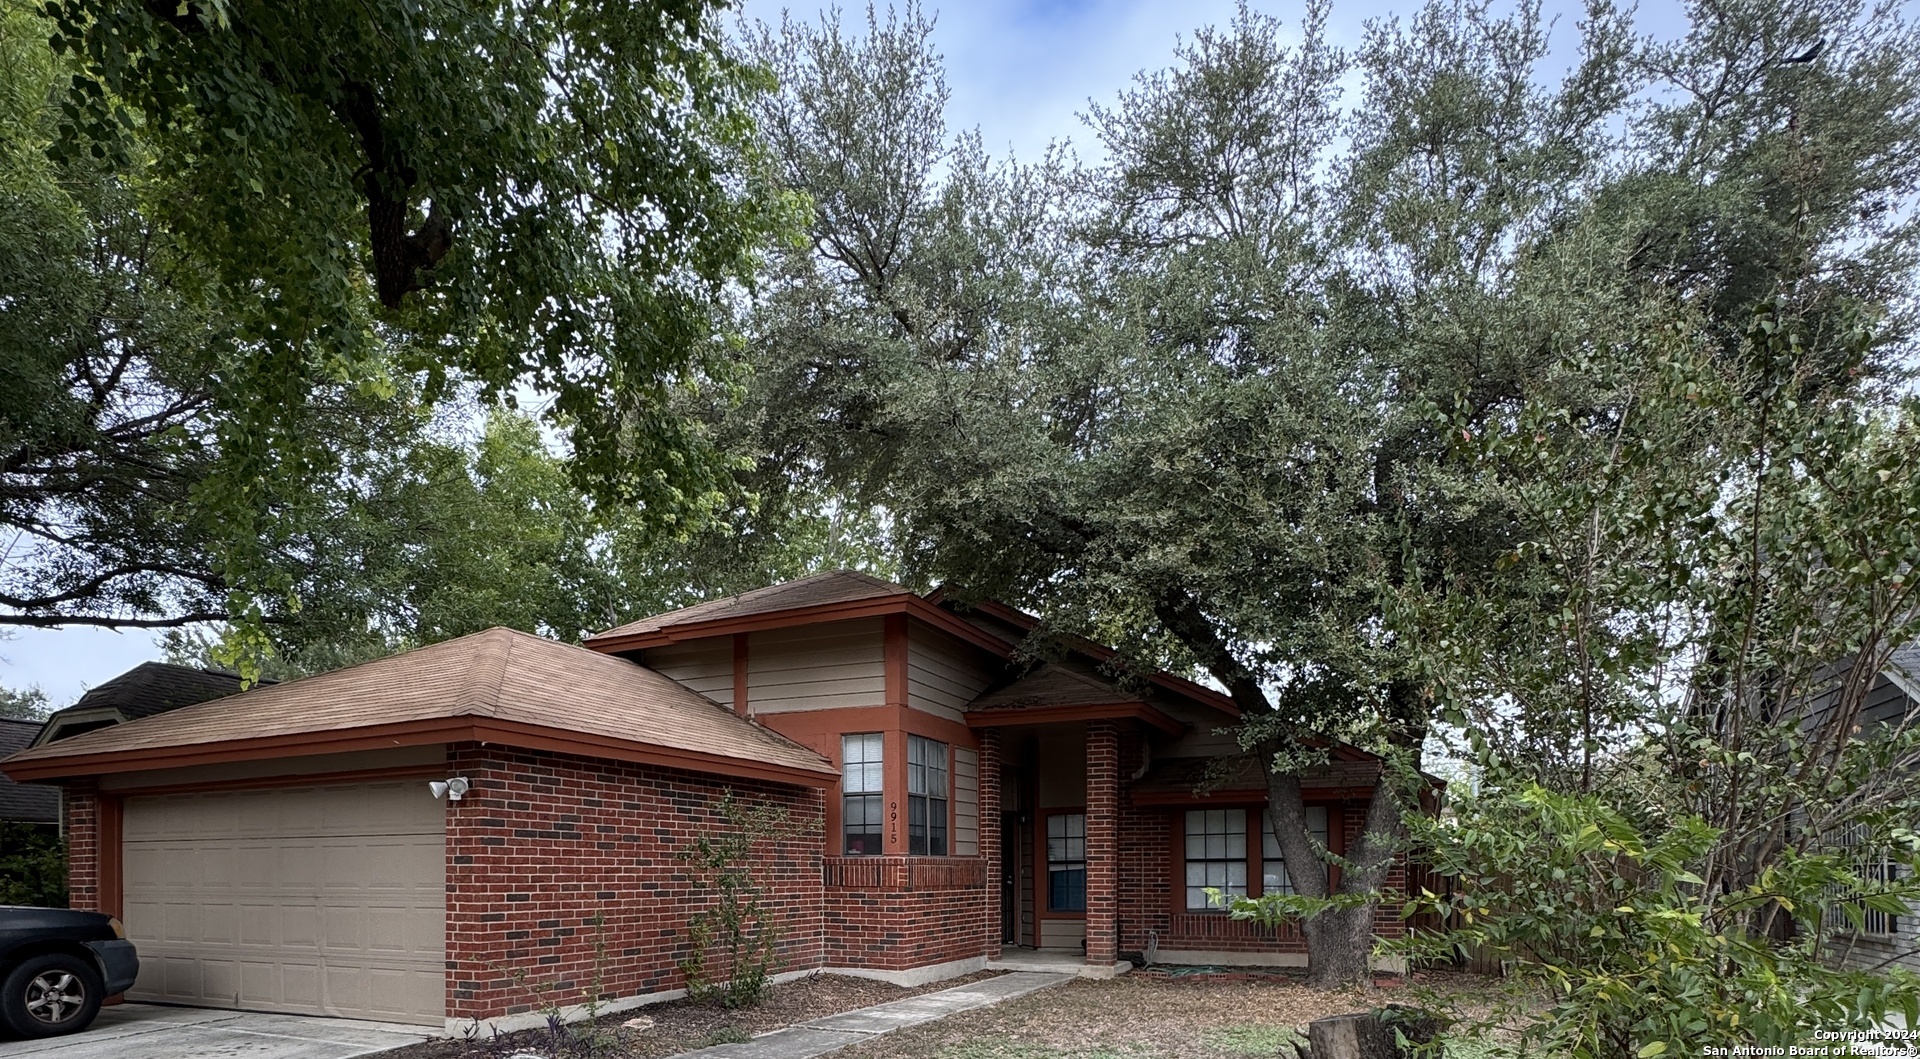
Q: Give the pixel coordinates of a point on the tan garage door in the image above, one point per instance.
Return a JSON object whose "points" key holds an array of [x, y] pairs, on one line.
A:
{"points": [[320, 900]]}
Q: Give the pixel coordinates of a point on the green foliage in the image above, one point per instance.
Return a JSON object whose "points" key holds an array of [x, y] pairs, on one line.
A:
{"points": [[440, 532], [244, 237], [731, 939], [28, 705], [1206, 400], [1251, 1039], [1608, 918], [33, 865]]}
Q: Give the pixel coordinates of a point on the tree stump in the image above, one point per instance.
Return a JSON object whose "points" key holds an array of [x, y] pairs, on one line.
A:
{"points": [[1368, 1035], [1362, 1036]]}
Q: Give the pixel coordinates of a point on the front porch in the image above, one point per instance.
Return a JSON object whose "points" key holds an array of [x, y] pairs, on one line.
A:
{"points": [[1103, 826], [1052, 961]]}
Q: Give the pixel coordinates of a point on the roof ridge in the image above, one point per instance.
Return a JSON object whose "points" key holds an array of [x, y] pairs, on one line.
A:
{"points": [[486, 684]]}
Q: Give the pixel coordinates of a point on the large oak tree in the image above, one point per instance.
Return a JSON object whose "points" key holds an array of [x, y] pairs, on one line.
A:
{"points": [[1202, 398]]}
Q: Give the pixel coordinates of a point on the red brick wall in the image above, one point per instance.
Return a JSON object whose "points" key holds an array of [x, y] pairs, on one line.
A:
{"points": [[83, 855], [1149, 892], [991, 840], [544, 842], [898, 913], [1103, 804]]}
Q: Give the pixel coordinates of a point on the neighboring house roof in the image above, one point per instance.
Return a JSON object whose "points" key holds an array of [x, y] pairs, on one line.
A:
{"points": [[1903, 668], [497, 686], [144, 690], [834, 586], [33, 805]]}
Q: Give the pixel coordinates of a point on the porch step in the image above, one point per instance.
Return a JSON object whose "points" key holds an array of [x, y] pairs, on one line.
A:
{"points": [[1047, 962]]}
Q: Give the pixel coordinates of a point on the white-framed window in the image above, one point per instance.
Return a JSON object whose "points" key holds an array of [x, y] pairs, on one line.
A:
{"points": [[1067, 862], [1216, 856], [1273, 864], [926, 796], [1874, 868], [862, 793]]}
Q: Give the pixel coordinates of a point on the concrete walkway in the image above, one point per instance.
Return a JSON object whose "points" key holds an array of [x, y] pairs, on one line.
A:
{"points": [[834, 1032]]}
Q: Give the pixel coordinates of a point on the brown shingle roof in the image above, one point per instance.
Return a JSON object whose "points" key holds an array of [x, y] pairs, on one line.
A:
{"points": [[1052, 684], [834, 586], [498, 675]]}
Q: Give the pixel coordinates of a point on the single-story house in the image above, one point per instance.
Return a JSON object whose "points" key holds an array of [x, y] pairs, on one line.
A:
{"points": [[280, 849]]}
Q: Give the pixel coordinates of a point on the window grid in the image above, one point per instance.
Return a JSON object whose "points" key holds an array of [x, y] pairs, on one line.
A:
{"points": [[1216, 856], [1067, 862], [1273, 864], [862, 787], [1877, 868], [926, 797]]}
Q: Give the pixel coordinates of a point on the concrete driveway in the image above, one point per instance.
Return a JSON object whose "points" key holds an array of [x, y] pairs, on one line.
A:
{"points": [[155, 1031]]}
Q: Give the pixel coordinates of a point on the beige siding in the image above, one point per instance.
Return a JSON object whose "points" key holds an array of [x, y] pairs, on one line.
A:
{"points": [[943, 674], [1068, 934], [704, 666], [966, 802], [817, 667]]}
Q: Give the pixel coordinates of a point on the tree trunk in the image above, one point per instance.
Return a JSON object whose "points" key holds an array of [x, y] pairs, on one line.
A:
{"points": [[1339, 947], [1339, 940]]}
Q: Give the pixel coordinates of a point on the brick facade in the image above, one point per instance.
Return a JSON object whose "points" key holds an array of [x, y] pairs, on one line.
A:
{"points": [[82, 812], [544, 843], [991, 759], [1150, 895], [897, 913], [1103, 812]]}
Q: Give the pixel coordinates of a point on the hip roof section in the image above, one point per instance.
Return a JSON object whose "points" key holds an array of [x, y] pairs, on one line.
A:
{"points": [[498, 686]]}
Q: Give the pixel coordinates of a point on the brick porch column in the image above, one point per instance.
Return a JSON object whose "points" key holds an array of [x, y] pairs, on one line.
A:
{"points": [[1103, 832], [990, 837]]}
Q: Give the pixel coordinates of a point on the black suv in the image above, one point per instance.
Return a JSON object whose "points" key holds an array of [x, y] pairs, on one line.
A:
{"points": [[56, 965]]}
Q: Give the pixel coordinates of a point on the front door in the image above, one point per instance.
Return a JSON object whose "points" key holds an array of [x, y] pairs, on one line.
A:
{"points": [[1009, 877]]}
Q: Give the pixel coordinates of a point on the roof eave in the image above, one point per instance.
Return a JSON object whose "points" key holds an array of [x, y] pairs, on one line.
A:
{"points": [[874, 606], [54, 767]]}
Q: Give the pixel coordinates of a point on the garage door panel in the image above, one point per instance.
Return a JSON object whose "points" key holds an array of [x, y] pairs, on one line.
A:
{"points": [[324, 900]]}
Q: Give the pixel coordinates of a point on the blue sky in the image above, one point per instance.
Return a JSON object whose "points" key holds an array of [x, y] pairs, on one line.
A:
{"points": [[1019, 72]]}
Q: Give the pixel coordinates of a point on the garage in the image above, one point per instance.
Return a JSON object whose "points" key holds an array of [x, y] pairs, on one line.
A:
{"points": [[450, 837], [323, 900]]}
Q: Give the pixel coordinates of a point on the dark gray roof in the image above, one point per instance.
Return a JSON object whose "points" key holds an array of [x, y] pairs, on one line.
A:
{"points": [[156, 687], [24, 801]]}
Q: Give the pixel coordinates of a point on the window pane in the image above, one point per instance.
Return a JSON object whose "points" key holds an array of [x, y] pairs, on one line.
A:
{"points": [[937, 829], [1067, 890], [860, 822]]}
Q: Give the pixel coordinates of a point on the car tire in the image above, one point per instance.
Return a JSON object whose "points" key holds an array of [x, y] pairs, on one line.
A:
{"points": [[45, 996]]}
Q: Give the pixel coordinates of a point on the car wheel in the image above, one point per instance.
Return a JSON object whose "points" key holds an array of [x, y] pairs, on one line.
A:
{"points": [[45, 996]]}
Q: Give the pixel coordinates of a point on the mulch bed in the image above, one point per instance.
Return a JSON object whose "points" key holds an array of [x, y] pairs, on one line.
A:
{"points": [[683, 1025]]}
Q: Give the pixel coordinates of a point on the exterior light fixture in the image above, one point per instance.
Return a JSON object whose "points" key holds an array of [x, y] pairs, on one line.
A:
{"points": [[454, 789]]}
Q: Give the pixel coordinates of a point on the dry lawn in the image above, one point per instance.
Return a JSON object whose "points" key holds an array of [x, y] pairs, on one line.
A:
{"points": [[1138, 1017], [682, 1025]]}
